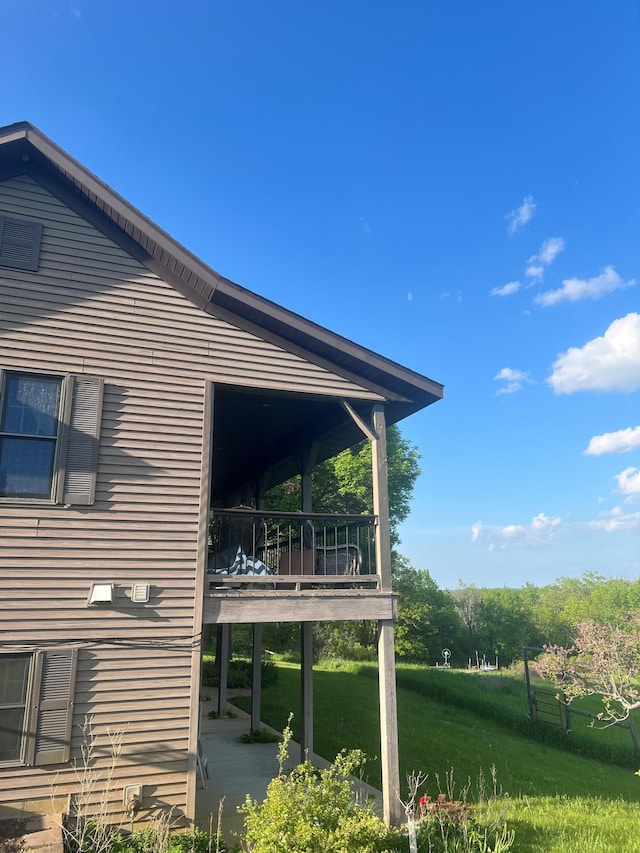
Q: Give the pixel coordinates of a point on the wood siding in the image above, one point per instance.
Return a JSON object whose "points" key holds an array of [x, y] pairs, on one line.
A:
{"points": [[91, 308]]}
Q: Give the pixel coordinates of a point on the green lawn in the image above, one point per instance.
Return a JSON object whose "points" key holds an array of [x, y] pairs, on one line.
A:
{"points": [[557, 801]]}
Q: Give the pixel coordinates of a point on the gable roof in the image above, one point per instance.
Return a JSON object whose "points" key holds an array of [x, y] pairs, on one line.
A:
{"points": [[24, 149]]}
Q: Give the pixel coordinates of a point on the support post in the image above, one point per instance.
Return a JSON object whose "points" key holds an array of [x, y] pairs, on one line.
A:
{"points": [[389, 758], [381, 497], [256, 680], [306, 628], [224, 646], [306, 690]]}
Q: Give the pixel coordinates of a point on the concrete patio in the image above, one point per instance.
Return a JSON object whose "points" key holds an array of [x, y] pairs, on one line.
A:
{"points": [[236, 769]]}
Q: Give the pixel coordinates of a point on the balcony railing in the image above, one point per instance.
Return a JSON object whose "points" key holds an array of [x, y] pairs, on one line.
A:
{"points": [[290, 550]]}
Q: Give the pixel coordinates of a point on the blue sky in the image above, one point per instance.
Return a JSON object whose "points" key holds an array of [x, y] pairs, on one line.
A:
{"points": [[454, 185]]}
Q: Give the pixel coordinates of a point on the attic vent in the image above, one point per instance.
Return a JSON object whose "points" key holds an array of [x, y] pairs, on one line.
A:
{"points": [[19, 243]]}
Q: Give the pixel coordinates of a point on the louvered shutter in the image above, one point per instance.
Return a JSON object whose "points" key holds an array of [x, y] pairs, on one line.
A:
{"points": [[52, 710], [20, 243], [81, 458]]}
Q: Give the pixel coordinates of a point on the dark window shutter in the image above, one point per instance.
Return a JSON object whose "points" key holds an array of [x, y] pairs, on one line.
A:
{"points": [[52, 710], [81, 457], [20, 243]]}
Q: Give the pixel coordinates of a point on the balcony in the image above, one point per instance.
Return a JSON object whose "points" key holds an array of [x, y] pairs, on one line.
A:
{"points": [[252, 550]]}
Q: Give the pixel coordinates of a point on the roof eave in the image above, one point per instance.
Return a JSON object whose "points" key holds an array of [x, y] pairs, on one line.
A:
{"points": [[410, 391]]}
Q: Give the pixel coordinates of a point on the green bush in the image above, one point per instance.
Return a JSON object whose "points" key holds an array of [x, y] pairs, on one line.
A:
{"points": [[240, 674], [314, 811], [151, 841]]}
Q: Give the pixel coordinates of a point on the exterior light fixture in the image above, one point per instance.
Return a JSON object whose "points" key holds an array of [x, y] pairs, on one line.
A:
{"points": [[101, 595]]}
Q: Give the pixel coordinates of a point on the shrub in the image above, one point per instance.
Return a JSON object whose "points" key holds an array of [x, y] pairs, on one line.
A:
{"points": [[240, 674], [259, 736], [314, 811], [159, 838]]}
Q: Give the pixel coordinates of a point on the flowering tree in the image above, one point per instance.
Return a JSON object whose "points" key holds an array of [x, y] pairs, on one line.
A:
{"points": [[604, 661]]}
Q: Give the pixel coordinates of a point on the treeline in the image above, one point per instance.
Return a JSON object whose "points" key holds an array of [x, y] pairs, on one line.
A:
{"points": [[472, 622], [499, 622]]}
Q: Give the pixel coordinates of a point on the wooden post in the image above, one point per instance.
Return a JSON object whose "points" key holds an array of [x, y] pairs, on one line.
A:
{"points": [[306, 690], [224, 636], [256, 680], [201, 572], [306, 628], [381, 497], [532, 710], [389, 758]]}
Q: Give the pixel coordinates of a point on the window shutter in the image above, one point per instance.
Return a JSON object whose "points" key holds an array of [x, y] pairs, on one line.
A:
{"points": [[52, 711], [81, 458], [20, 243]]}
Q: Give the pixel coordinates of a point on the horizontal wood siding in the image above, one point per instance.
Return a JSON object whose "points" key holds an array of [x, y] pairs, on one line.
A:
{"points": [[91, 308], [87, 286]]}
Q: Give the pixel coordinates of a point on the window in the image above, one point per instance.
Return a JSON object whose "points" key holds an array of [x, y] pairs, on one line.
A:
{"points": [[15, 673], [19, 243], [36, 706], [29, 433], [49, 428]]}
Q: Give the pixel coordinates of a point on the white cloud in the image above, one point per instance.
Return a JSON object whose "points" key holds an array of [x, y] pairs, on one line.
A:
{"points": [[514, 379], [519, 217], [616, 520], [507, 289], [535, 272], [629, 481], [607, 363], [621, 441], [547, 254], [540, 531], [549, 250], [575, 289]]}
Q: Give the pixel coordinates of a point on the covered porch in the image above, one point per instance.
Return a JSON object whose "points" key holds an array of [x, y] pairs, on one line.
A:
{"points": [[264, 565]]}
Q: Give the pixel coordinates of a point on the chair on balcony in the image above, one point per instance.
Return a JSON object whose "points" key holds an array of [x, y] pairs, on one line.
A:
{"points": [[237, 549], [321, 560]]}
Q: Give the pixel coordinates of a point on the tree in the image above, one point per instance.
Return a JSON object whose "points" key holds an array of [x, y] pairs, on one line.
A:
{"points": [[344, 483], [427, 617], [604, 661]]}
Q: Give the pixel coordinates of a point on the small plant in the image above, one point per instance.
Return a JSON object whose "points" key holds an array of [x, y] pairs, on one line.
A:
{"points": [[259, 736], [88, 827], [314, 811], [449, 824]]}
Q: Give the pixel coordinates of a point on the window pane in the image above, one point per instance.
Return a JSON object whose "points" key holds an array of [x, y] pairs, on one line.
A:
{"points": [[14, 683], [31, 406], [11, 732], [26, 467], [14, 677]]}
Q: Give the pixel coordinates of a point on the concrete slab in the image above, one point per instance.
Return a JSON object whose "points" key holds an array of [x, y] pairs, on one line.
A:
{"points": [[237, 769]]}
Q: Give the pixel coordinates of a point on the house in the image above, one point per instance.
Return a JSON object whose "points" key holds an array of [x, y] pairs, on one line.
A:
{"points": [[143, 398]]}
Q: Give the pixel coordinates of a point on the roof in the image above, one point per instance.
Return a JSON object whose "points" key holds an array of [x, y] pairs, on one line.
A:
{"points": [[23, 148]]}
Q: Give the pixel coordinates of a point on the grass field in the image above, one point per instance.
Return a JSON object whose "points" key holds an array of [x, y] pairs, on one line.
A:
{"points": [[558, 801]]}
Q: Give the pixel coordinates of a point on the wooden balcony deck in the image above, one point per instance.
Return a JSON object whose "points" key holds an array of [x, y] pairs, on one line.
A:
{"points": [[283, 567]]}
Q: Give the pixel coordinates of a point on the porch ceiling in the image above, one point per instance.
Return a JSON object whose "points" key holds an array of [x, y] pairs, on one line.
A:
{"points": [[258, 432]]}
